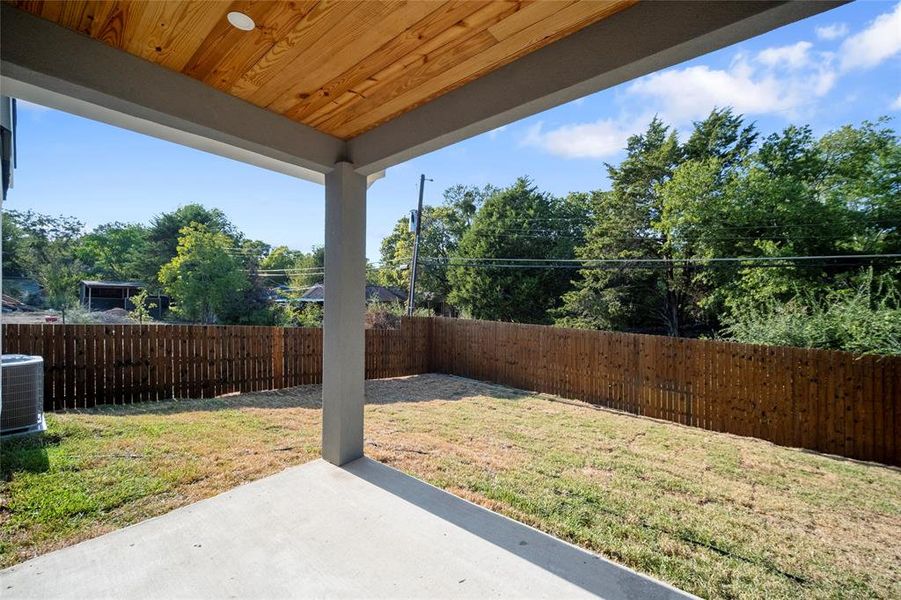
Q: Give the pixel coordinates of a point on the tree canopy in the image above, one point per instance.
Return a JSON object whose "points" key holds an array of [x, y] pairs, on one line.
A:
{"points": [[720, 196], [441, 230], [203, 276], [517, 222], [116, 251], [43, 247]]}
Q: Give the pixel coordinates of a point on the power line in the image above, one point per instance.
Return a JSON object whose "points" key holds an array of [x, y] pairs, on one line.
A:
{"points": [[687, 263], [861, 219], [311, 274], [667, 260], [720, 229], [652, 267], [555, 236], [647, 263], [298, 270], [582, 238], [612, 263]]}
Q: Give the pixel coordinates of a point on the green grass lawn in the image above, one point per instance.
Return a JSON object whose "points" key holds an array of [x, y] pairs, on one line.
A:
{"points": [[716, 515]]}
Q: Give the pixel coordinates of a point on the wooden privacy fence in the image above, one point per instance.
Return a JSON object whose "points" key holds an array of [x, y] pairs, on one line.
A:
{"points": [[86, 365], [822, 400]]}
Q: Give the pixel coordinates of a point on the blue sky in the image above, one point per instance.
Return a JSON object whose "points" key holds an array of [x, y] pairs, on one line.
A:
{"points": [[839, 67]]}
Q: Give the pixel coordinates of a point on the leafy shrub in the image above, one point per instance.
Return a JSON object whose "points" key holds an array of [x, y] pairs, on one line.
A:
{"points": [[308, 314], [76, 314], [387, 315], [862, 320]]}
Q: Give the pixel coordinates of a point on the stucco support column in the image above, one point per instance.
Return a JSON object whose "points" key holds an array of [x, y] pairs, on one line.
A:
{"points": [[344, 342]]}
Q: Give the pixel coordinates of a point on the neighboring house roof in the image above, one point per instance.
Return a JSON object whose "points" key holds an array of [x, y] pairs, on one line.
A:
{"points": [[119, 284], [10, 303], [314, 293], [374, 293]]}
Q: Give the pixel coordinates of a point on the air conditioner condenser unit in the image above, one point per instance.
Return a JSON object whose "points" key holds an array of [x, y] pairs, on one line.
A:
{"points": [[22, 394]]}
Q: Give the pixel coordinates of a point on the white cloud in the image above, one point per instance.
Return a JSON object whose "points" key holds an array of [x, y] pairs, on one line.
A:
{"points": [[781, 79], [832, 32], [796, 56], [896, 105], [691, 92], [600, 139], [878, 42], [764, 85], [786, 80]]}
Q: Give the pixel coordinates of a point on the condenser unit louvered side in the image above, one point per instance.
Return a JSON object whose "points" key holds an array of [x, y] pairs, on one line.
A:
{"points": [[22, 394]]}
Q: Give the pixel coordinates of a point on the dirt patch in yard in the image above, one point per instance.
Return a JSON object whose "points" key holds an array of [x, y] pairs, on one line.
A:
{"points": [[715, 514]]}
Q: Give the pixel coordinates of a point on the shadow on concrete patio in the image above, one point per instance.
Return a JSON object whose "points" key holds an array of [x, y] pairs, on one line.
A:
{"points": [[588, 571]]}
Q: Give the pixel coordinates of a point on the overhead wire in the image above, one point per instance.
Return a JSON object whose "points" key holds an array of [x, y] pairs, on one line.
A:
{"points": [[663, 263], [666, 260]]}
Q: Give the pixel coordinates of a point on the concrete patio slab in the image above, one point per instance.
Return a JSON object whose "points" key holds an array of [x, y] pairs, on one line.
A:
{"points": [[320, 531]]}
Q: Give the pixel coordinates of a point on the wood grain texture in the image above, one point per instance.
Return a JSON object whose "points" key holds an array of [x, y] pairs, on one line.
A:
{"points": [[341, 66]]}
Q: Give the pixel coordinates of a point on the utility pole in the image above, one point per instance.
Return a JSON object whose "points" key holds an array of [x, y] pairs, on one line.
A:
{"points": [[417, 216]]}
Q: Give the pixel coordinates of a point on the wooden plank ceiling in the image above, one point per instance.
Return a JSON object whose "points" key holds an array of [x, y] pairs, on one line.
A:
{"points": [[340, 66]]}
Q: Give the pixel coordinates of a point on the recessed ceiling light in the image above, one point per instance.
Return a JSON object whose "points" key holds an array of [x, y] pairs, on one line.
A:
{"points": [[241, 21]]}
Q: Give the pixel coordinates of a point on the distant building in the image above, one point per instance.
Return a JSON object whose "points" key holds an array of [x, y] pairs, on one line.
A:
{"points": [[11, 304], [23, 288], [105, 295], [374, 293]]}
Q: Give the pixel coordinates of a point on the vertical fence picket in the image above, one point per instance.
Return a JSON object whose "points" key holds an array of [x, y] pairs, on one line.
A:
{"points": [[250, 358], [165, 361], [145, 359], [123, 364], [302, 342], [881, 447], [892, 389], [59, 360]]}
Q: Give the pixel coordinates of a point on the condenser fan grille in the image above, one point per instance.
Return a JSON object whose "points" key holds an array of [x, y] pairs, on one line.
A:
{"points": [[22, 408]]}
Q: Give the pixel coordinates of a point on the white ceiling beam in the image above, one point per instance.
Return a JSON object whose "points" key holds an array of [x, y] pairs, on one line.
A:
{"points": [[642, 39]]}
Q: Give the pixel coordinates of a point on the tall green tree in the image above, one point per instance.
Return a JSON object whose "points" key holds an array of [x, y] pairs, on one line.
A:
{"points": [[666, 204], [279, 262], [863, 174], [723, 136], [441, 230], [46, 252], [625, 225], [307, 270], [34, 235], [115, 251], [14, 247], [515, 222], [799, 196], [204, 275], [252, 306], [721, 196], [59, 277], [165, 229]]}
